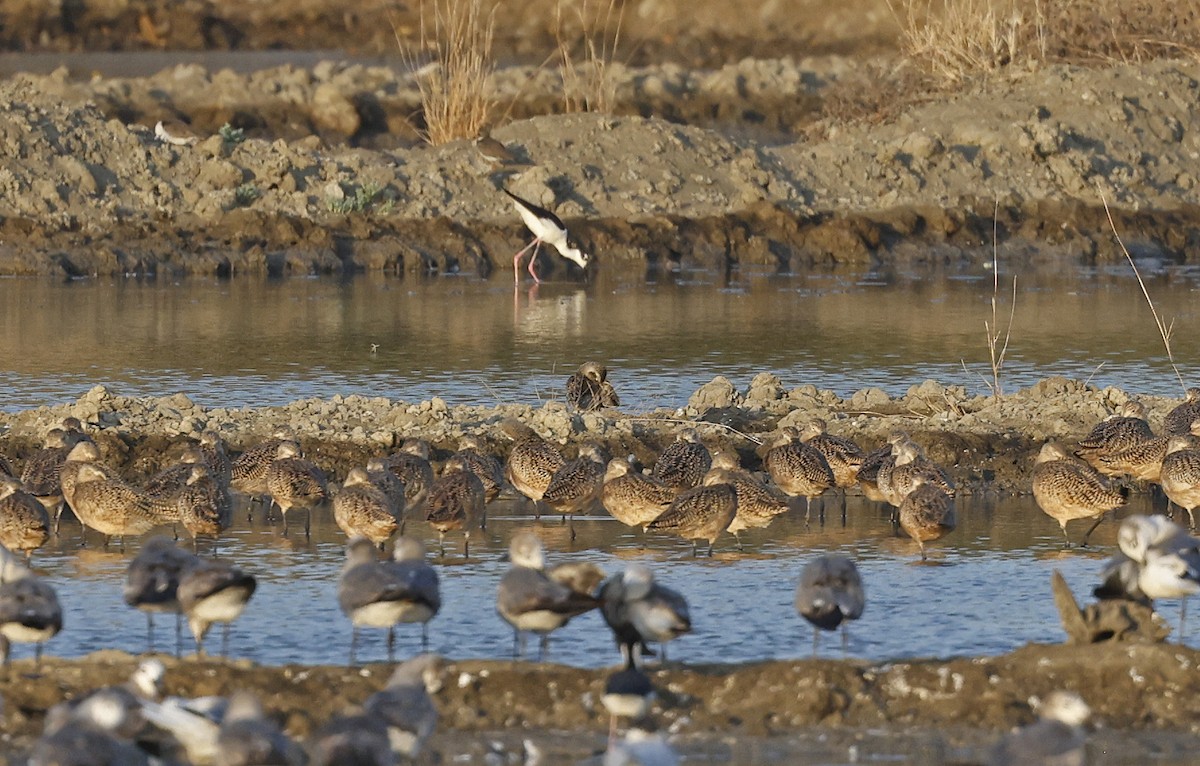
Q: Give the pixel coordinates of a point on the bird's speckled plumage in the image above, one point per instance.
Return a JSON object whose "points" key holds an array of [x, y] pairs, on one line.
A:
{"points": [[700, 513], [632, 497], [684, 462], [757, 505], [205, 507], [532, 461], [1067, 489], [363, 510], [576, 486], [1118, 432], [410, 464], [248, 472], [843, 455], [24, 523], [294, 482], [483, 464], [456, 501], [1179, 420], [798, 469], [588, 388], [116, 509], [1180, 474], [926, 513]]}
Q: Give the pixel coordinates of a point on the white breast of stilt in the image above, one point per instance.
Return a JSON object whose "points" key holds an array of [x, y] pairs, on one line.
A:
{"points": [[543, 228]]}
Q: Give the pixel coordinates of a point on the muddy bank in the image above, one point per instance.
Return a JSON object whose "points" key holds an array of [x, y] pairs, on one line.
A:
{"points": [[987, 445], [951, 703], [89, 194]]}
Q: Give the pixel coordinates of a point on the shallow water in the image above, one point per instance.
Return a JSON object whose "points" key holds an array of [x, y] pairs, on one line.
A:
{"points": [[475, 341], [985, 591]]}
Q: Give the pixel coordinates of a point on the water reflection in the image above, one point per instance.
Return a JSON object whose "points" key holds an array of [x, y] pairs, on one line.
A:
{"points": [[991, 594], [249, 342]]}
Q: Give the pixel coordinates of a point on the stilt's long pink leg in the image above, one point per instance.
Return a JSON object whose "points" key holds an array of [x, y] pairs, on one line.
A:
{"points": [[533, 260], [517, 259]]}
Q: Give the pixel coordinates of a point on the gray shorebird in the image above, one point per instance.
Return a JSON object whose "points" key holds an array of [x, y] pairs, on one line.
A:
{"points": [[1055, 739], [684, 462], [205, 507], [926, 513], [24, 523], [1067, 489], [700, 513], [1116, 433], [29, 609], [757, 505], [380, 594], [548, 228], [639, 611], [800, 470], [247, 736], [531, 462], [588, 388], [1179, 420], [576, 486], [830, 594], [631, 497], [152, 583], [294, 482], [1179, 474], [116, 509], [410, 464], [1157, 559], [248, 471], [362, 509], [405, 706], [483, 464], [41, 472], [529, 601], [456, 501], [212, 591]]}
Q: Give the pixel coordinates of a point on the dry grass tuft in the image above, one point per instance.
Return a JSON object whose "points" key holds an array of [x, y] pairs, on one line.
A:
{"points": [[956, 40], [456, 42], [587, 48]]}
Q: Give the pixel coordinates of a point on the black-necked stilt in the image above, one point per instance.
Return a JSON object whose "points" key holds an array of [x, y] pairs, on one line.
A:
{"points": [[545, 227]]}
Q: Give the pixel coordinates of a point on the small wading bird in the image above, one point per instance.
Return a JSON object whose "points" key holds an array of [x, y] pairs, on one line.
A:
{"points": [[829, 594], [545, 227]]}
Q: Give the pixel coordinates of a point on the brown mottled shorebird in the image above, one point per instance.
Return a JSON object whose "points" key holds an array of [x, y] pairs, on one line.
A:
{"points": [[363, 510], [529, 600], [212, 447], [24, 523], [248, 472], [588, 388], [1143, 461], [205, 507], [1179, 420], [152, 583], [796, 468], [576, 486], [83, 453], [170, 481], [1127, 428], [684, 462], [29, 608], [410, 464], [379, 475], [926, 513], [456, 501], [531, 462], [294, 482], [116, 509], [483, 464], [632, 497], [380, 594], [1180, 475], [757, 505], [41, 473], [700, 513], [909, 465], [212, 591], [868, 473], [843, 455], [830, 593], [1067, 489]]}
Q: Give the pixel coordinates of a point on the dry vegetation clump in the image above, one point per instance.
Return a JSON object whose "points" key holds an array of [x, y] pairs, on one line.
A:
{"points": [[587, 48], [455, 40], [959, 39]]}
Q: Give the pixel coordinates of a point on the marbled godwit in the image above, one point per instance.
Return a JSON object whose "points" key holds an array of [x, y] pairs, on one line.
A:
{"points": [[406, 708], [532, 461], [639, 610], [545, 227], [796, 468], [83, 453], [410, 464], [205, 507], [1179, 420], [170, 481], [909, 466], [868, 473], [247, 736], [588, 388], [41, 473], [363, 510], [380, 594], [294, 482], [1179, 474], [926, 513], [1125, 429], [381, 476], [576, 487], [628, 694], [116, 509], [843, 455], [757, 505], [1066, 489], [684, 462], [152, 583], [29, 608], [632, 497], [830, 594], [1056, 739], [528, 600], [248, 472], [456, 501], [700, 513], [214, 591], [483, 464], [24, 523]]}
